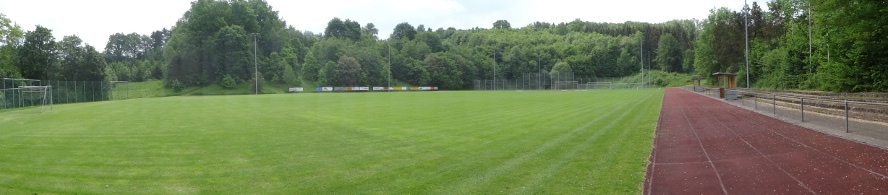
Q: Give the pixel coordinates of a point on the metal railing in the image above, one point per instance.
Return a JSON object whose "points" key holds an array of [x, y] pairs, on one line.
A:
{"points": [[861, 117]]}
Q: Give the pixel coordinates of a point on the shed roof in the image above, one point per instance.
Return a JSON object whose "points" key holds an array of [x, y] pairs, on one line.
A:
{"points": [[724, 73]]}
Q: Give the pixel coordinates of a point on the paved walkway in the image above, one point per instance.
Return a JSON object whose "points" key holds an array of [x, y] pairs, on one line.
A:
{"points": [[706, 146]]}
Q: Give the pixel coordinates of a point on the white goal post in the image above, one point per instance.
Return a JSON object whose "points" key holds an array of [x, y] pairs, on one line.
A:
{"points": [[41, 94], [597, 85]]}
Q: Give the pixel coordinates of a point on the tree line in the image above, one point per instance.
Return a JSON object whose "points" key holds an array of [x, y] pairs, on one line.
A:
{"points": [[799, 44], [225, 43]]}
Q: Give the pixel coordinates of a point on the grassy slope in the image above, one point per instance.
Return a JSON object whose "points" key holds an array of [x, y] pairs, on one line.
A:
{"points": [[149, 89], [435, 142], [662, 79], [137, 90]]}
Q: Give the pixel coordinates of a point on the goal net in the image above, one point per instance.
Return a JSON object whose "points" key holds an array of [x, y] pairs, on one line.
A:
{"points": [[565, 85], [26, 96], [597, 86], [37, 96], [634, 86]]}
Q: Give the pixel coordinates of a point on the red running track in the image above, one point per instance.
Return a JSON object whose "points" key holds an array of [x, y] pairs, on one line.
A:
{"points": [[706, 146]]}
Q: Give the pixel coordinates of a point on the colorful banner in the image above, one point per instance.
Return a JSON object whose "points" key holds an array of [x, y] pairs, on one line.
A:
{"points": [[362, 89]]}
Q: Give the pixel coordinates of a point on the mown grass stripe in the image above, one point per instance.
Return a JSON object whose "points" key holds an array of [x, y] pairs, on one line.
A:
{"points": [[332, 143]]}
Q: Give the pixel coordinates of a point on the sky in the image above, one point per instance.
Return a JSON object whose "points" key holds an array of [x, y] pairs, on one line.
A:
{"points": [[95, 20]]}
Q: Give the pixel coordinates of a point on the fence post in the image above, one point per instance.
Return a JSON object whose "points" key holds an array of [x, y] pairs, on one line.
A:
{"points": [[847, 125], [775, 104], [803, 109]]}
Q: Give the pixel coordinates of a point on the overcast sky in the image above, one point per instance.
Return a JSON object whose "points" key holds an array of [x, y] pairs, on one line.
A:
{"points": [[95, 20]]}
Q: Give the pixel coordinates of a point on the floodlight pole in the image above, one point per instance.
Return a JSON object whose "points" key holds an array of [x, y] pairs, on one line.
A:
{"points": [[389, 68], [255, 64], [539, 73], [810, 36], [494, 68], [746, 29], [641, 56]]}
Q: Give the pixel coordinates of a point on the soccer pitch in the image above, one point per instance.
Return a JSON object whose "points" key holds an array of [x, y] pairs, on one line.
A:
{"points": [[565, 142]]}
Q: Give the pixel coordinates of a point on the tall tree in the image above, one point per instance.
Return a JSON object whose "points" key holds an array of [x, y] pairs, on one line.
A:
{"points": [[311, 67], [370, 29], [11, 36], [92, 65], [404, 30], [502, 24], [231, 45], [250, 25], [343, 29], [347, 72], [669, 54], [72, 53], [37, 57], [857, 41], [560, 68]]}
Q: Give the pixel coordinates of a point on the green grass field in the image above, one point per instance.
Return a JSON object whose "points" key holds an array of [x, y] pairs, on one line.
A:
{"points": [[593, 142]]}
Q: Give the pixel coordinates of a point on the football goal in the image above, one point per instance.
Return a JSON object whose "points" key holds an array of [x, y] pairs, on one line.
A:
{"points": [[24, 95], [38, 96], [597, 86]]}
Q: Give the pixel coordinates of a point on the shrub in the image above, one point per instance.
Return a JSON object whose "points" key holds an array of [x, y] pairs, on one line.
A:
{"points": [[175, 85], [228, 82]]}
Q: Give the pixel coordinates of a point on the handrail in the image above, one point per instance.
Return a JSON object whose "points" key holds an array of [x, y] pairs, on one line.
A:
{"points": [[821, 99], [832, 102], [746, 91]]}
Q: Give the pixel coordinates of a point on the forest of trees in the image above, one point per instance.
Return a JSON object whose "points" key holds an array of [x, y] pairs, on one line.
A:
{"points": [[213, 43], [798, 44]]}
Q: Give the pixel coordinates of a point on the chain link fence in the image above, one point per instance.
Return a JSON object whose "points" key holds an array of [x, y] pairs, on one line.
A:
{"points": [[559, 81], [14, 93]]}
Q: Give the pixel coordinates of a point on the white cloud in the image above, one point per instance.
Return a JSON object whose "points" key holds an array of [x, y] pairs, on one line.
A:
{"points": [[95, 20]]}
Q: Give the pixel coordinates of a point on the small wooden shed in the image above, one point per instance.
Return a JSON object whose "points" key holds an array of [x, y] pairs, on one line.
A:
{"points": [[726, 81]]}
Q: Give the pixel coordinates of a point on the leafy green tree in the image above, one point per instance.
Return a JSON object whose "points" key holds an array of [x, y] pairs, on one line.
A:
{"points": [[127, 47], [11, 36], [289, 76], [442, 72], [37, 56], [404, 30], [372, 63], [217, 37], [274, 68], [159, 39], [857, 41], [327, 74], [669, 54], [71, 52], [705, 61], [232, 54], [560, 68], [228, 82], [502, 24], [416, 50], [311, 67], [343, 29], [290, 55], [432, 40], [370, 29], [466, 70], [347, 72]]}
